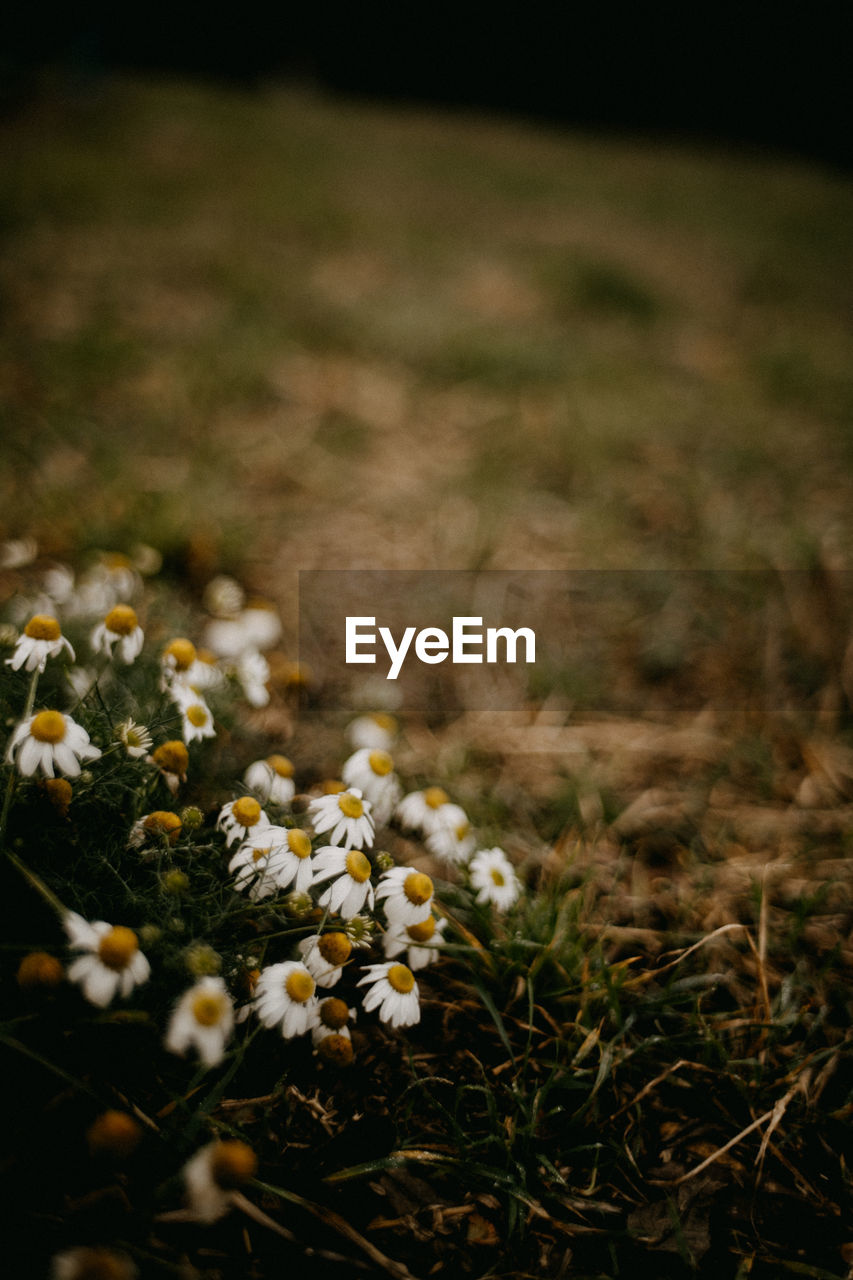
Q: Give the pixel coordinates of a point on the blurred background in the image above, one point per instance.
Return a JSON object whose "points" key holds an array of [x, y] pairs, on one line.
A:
{"points": [[380, 287]]}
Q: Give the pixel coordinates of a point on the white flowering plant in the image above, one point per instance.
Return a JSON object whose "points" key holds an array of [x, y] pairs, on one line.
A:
{"points": [[189, 906]]}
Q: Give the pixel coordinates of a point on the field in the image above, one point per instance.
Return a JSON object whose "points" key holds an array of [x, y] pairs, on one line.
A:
{"points": [[258, 334]]}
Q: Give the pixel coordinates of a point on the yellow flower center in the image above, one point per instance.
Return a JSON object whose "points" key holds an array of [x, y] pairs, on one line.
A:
{"points": [[350, 805], [59, 794], [498, 877], [299, 985], [114, 561], [298, 843], [422, 932], [384, 721], [401, 978], [162, 823], [332, 786], [462, 830], [435, 797], [358, 866], [380, 762], [197, 715], [180, 653], [207, 1008], [257, 854], [335, 947], [48, 726], [418, 888], [42, 627], [113, 1133], [38, 969], [281, 766], [118, 947], [121, 620], [336, 1050], [172, 757], [246, 812], [232, 1163], [334, 1013]]}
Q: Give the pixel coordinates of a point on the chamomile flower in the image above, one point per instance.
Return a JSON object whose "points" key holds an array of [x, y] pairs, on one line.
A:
{"points": [[183, 671], [331, 1034], [394, 992], [421, 942], [41, 639], [325, 955], [204, 1019], [271, 780], [135, 738], [285, 998], [119, 632], [223, 596], [172, 759], [273, 858], [407, 895], [153, 828], [253, 671], [376, 732], [112, 963], [213, 1174], [454, 844], [372, 771], [197, 720], [428, 811], [241, 818], [349, 870], [346, 815], [50, 740], [492, 874]]}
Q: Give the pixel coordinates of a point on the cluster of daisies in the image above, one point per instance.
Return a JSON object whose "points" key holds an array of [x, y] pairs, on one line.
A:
{"points": [[353, 928]]}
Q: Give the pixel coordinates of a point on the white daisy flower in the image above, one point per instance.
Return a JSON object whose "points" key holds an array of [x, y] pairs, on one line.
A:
{"points": [[452, 843], [376, 732], [197, 720], [330, 1034], [241, 818], [421, 942], [351, 888], [273, 858], [50, 739], [154, 827], [346, 815], [223, 596], [428, 811], [261, 625], [213, 1173], [253, 671], [394, 992], [408, 895], [271, 780], [284, 997], [493, 875], [18, 552], [119, 631], [372, 771], [324, 955], [202, 1018], [184, 671], [113, 963], [41, 639], [135, 738], [58, 581]]}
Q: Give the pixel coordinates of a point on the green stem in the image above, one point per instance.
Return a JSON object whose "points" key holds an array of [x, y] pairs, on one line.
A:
{"points": [[38, 884], [10, 785]]}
